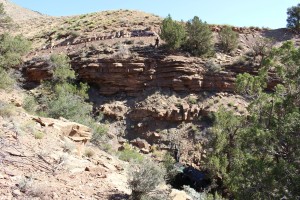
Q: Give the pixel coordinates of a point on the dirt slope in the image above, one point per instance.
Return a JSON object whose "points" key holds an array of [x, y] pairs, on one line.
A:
{"points": [[40, 162]]}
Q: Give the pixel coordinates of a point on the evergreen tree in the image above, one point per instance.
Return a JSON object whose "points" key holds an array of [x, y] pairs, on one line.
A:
{"points": [[228, 39], [12, 49], [263, 162], [173, 33], [293, 20], [200, 38]]}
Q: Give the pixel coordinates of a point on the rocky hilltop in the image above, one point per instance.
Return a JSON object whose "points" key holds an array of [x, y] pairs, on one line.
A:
{"points": [[150, 98]]}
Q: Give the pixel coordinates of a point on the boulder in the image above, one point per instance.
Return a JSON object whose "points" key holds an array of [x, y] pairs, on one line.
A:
{"points": [[115, 110], [140, 143], [179, 195], [78, 133]]}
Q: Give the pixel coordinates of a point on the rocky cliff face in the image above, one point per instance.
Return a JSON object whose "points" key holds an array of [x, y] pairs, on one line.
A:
{"points": [[132, 76]]}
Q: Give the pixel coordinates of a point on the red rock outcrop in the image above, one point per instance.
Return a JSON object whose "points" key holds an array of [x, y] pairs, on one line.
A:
{"points": [[132, 76]]}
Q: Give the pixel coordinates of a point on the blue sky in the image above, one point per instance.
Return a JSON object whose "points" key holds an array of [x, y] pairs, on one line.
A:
{"points": [[262, 13]]}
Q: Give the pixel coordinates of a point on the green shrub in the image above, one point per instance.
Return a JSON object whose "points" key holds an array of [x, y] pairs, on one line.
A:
{"points": [[80, 91], [168, 163], [65, 99], [69, 106], [38, 135], [192, 100], [12, 48], [106, 147], [200, 38], [262, 47], [30, 104], [62, 69], [7, 82], [228, 39], [144, 178], [89, 152], [129, 154], [173, 33], [5, 20], [74, 34], [213, 67], [6, 110]]}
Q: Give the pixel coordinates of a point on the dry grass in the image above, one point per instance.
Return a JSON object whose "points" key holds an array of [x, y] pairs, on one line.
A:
{"points": [[87, 25], [38, 135], [6, 110], [89, 152]]}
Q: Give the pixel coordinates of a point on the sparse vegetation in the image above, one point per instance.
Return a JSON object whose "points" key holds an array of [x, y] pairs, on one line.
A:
{"points": [[192, 100], [30, 104], [5, 20], [129, 154], [262, 47], [168, 163], [65, 99], [38, 135], [247, 152], [144, 178], [68, 146], [7, 82], [228, 39], [122, 52], [6, 110], [89, 152], [213, 67]]}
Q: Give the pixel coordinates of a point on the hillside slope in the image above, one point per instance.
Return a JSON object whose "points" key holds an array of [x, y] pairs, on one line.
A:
{"points": [[18, 13], [41, 162]]}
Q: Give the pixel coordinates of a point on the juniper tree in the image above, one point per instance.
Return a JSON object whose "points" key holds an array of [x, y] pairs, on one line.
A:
{"points": [[199, 37], [173, 33], [293, 20]]}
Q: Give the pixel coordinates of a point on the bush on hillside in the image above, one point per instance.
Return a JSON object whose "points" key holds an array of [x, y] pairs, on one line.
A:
{"points": [[200, 38], [30, 104], [7, 81], [5, 20], [129, 154], [11, 51], [173, 33], [66, 99], [6, 110], [62, 69], [12, 48], [262, 46], [228, 39], [144, 177]]}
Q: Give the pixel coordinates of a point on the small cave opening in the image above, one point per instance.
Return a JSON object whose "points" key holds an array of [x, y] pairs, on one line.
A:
{"points": [[190, 176]]}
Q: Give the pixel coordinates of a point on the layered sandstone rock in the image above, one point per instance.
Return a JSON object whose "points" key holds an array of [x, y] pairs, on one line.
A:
{"points": [[182, 112], [132, 76]]}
